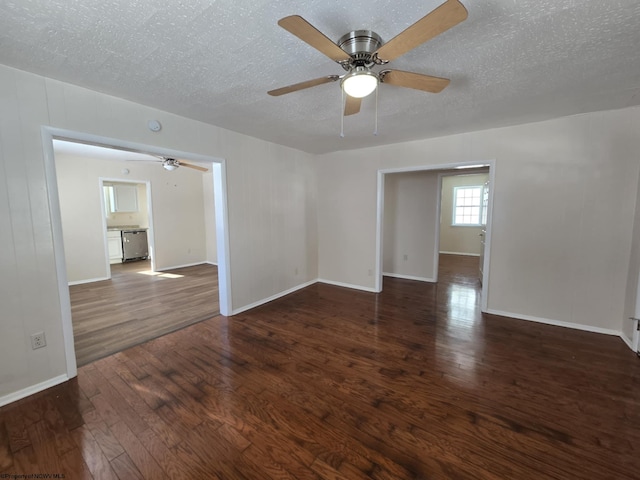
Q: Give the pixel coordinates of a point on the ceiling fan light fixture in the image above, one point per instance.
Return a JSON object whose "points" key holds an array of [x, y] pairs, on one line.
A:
{"points": [[360, 82], [170, 164]]}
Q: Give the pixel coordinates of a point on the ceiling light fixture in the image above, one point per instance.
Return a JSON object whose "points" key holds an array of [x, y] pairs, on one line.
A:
{"points": [[170, 164], [360, 82]]}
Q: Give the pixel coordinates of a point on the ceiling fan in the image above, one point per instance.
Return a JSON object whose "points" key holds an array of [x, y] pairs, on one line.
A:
{"points": [[359, 51], [170, 163]]}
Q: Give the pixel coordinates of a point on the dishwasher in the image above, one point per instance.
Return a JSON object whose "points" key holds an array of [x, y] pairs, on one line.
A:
{"points": [[134, 245]]}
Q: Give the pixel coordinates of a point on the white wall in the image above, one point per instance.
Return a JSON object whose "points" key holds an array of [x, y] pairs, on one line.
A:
{"points": [[456, 239], [81, 197], [410, 216], [271, 207], [209, 217], [564, 203], [178, 213], [565, 197]]}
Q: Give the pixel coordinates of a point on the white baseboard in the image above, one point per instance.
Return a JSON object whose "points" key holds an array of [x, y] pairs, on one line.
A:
{"points": [[557, 323], [348, 285], [212, 263], [409, 277], [627, 340], [273, 297], [90, 280], [25, 392], [461, 253], [165, 269]]}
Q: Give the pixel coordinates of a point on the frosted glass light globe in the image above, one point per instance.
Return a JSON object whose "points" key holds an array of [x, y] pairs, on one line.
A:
{"points": [[359, 84]]}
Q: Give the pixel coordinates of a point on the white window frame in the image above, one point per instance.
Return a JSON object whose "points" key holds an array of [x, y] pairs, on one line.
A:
{"points": [[480, 205]]}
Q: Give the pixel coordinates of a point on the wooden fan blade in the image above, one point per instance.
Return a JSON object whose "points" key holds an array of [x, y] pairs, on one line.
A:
{"points": [[352, 105], [195, 167], [302, 85], [418, 81], [447, 15], [306, 32]]}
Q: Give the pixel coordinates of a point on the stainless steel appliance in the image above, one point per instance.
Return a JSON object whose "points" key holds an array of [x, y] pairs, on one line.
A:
{"points": [[134, 245]]}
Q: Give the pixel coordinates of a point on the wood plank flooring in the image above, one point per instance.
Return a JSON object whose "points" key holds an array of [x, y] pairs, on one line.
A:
{"points": [[137, 305], [332, 383]]}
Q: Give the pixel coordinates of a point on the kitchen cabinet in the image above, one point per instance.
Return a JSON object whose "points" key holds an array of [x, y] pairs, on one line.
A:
{"points": [[122, 198], [126, 198], [114, 243]]}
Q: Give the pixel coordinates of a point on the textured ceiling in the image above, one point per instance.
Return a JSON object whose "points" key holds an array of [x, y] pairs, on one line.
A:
{"points": [[510, 62]]}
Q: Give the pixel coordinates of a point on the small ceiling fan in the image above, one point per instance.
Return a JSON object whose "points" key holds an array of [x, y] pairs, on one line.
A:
{"points": [[170, 163], [359, 51]]}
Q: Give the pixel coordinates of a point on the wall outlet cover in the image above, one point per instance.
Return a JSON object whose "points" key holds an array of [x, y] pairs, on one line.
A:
{"points": [[38, 340]]}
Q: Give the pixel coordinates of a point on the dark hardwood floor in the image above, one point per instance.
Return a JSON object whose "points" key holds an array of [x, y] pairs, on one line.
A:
{"points": [[335, 383], [137, 305]]}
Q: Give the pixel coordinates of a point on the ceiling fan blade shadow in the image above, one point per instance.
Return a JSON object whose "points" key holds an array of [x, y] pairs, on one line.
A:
{"points": [[302, 85], [306, 32], [447, 15], [426, 83], [182, 163], [352, 105]]}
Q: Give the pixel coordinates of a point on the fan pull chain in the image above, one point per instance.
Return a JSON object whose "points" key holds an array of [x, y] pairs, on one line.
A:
{"points": [[342, 114], [375, 130]]}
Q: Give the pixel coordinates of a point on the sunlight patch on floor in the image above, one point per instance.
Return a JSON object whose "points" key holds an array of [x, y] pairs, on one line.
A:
{"points": [[160, 274]]}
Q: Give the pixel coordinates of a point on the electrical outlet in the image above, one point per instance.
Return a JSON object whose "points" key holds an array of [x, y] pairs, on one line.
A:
{"points": [[38, 340]]}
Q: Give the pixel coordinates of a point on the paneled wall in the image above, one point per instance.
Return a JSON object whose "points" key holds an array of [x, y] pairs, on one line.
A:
{"points": [[565, 200], [271, 209]]}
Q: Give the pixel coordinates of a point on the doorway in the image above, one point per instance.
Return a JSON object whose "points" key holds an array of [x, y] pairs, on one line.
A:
{"points": [[430, 216], [217, 166], [134, 303], [125, 213]]}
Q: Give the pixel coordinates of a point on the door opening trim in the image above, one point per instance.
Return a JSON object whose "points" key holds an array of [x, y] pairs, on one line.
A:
{"points": [[222, 224], [484, 299]]}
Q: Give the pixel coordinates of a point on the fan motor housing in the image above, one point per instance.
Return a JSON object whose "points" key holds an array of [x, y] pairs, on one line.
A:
{"points": [[360, 45]]}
